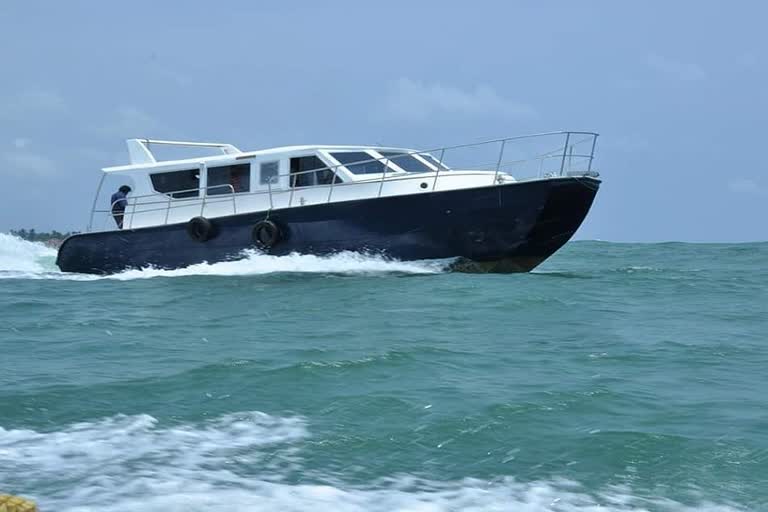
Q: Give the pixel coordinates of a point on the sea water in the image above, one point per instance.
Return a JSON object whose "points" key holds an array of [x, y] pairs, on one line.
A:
{"points": [[616, 377]]}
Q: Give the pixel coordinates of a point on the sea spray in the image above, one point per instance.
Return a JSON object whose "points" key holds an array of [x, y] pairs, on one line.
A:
{"points": [[20, 255], [31, 260]]}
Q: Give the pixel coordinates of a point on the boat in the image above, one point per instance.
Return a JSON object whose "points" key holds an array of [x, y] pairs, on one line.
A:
{"points": [[498, 205]]}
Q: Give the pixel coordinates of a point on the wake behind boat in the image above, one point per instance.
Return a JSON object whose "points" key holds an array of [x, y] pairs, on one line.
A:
{"points": [[500, 205]]}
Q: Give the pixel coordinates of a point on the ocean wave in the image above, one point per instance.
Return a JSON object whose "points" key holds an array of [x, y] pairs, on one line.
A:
{"points": [[19, 256], [252, 461], [389, 357], [20, 259]]}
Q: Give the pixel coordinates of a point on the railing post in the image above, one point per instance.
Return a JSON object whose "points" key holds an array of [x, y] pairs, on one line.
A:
{"points": [[333, 180], [202, 183], [269, 188], [498, 163], [591, 154], [95, 201], [291, 185], [381, 184], [168, 209], [565, 152], [439, 165], [133, 213]]}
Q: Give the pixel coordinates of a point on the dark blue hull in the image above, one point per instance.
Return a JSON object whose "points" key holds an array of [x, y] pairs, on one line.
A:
{"points": [[511, 227]]}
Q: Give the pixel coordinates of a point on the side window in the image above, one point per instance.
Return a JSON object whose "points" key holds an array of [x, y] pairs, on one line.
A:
{"points": [[325, 177], [301, 178], [228, 179], [177, 184], [269, 173]]}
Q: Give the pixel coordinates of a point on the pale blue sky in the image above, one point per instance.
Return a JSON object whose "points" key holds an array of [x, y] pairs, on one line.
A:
{"points": [[678, 91]]}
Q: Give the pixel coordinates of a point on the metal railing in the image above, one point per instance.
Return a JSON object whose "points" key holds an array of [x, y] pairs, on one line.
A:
{"points": [[552, 160], [169, 203]]}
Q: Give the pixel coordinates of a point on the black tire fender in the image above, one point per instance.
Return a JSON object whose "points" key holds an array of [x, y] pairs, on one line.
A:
{"points": [[200, 229], [266, 234]]}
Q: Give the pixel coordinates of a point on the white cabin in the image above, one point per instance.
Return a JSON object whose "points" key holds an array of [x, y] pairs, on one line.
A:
{"points": [[174, 191]]}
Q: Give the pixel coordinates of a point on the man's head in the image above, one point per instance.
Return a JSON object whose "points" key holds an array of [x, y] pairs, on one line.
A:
{"points": [[125, 189]]}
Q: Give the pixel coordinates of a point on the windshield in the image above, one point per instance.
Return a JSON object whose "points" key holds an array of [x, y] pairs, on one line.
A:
{"points": [[434, 161], [406, 162], [359, 162]]}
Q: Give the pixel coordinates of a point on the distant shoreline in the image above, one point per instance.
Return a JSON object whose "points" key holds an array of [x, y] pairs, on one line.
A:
{"points": [[52, 239]]}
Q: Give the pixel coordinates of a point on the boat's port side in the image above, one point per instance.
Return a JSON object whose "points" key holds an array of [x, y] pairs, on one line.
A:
{"points": [[520, 224], [171, 192]]}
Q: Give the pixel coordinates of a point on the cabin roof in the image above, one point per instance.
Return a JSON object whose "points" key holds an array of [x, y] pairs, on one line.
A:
{"points": [[231, 153]]}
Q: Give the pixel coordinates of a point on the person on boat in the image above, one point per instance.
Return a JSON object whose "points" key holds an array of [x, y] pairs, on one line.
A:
{"points": [[119, 202], [234, 180]]}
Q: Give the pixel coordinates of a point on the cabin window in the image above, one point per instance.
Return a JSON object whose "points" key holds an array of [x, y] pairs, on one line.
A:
{"points": [[229, 179], [301, 178], [359, 162], [177, 184], [269, 173], [406, 162], [434, 161]]}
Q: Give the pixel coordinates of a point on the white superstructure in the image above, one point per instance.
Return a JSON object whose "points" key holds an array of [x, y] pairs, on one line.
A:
{"points": [[235, 182]]}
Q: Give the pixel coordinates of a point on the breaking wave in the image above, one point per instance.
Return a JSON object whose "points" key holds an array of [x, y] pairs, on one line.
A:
{"points": [[253, 461], [21, 259], [18, 255]]}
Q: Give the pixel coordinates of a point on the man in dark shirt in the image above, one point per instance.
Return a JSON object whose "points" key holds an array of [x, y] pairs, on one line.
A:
{"points": [[119, 202]]}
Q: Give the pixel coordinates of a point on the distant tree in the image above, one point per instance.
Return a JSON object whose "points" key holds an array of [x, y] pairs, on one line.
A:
{"points": [[33, 236]]}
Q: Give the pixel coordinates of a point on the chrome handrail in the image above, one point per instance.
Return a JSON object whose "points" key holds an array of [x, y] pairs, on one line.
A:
{"points": [[443, 150], [132, 201]]}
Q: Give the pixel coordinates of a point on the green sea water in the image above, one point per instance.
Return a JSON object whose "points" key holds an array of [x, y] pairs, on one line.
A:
{"points": [[615, 377]]}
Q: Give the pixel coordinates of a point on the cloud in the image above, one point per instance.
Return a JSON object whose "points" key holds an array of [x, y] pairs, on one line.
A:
{"points": [[128, 122], [748, 62], [683, 71], [21, 142], [21, 161], [99, 157], [177, 78], [413, 100], [25, 163], [747, 186], [33, 102]]}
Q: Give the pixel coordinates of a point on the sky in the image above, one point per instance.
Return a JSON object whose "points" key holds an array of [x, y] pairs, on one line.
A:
{"points": [[677, 90]]}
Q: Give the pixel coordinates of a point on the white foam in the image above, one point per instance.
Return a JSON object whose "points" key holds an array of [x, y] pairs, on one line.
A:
{"points": [[251, 461], [20, 259], [254, 263], [17, 255]]}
